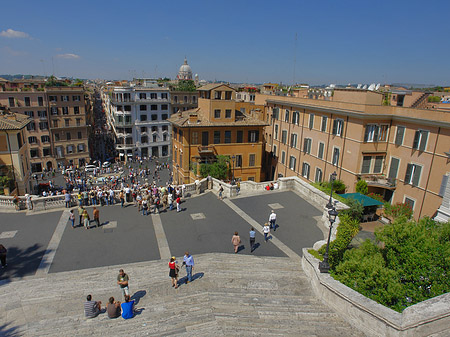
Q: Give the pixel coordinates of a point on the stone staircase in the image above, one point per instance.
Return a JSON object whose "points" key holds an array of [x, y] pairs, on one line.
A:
{"points": [[232, 295]]}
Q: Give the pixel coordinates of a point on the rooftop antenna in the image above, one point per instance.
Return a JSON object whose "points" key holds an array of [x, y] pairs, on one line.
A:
{"points": [[295, 58]]}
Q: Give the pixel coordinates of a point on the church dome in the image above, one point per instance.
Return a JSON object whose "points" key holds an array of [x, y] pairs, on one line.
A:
{"points": [[185, 72]]}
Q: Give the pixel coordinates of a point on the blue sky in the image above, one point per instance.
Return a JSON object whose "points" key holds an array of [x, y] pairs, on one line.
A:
{"points": [[237, 41]]}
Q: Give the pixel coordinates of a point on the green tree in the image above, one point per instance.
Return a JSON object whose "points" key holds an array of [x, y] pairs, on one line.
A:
{"points": [[361, 187]]}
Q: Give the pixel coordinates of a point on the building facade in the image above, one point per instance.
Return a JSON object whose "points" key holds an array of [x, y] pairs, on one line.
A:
{"points": [[216, 128], [138, 116], [402, 153]]}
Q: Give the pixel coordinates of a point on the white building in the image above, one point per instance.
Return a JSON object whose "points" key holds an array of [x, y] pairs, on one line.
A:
{"points": [[138, 116]]}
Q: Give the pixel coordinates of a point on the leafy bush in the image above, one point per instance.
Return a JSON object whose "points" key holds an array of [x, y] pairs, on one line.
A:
{"points": [[412, 266], [346, 231], [361, 187]]}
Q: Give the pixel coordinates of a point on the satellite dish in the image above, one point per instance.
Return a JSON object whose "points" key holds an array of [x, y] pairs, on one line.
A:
{"points": [[365, 86], [359, 86], [377, 86], [371, 87]]}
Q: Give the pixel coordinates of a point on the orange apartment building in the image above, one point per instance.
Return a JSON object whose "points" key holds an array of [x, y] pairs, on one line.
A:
{"points": [[215, 128], [402, 153]]}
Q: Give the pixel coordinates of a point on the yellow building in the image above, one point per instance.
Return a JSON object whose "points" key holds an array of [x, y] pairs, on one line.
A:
{"points": [[215, 128]]}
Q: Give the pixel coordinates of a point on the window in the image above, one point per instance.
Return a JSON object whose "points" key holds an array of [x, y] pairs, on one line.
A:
{"points": [[43, 125], [31, 126], [283, 157], [377, 168], [164, 117], [251, 160], [399, 135], [239, 136], [67, 122], [286, 116], [412, 176], [34, 153], [307, 145], [78, 120], [292, 162], [143, 118], [217, 113], [338, 125], [46, 151], [76, 110], [295, 117], [143, 107], [80, 135], [45, 139], [318, 176], [217, 94], [321, 149], [41, 101], [194, 138], [164, 95], [69, 149], [335, 156], [323, 127], [227, 137], [393, 170], [367, 160], [238, 160], [305, 170], [420, 140], [65, 98], [253, 136], [52, 98], [153, 95], [68, 136], [80, 147], [142, 96], [410, 202], [154, 117], [54, 110], [76, 98], [228, 113], [27, 101], [228, 95], [216, 137], [293, 140], [276, 132], [32, 140], [284, 136], [311, 121]]}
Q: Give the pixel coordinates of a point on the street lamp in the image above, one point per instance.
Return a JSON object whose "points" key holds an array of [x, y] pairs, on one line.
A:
{"points": [[324, 266], [233, 158], [332, 179]]}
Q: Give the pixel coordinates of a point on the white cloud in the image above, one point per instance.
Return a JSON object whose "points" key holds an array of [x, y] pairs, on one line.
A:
{"points": [[14, 34], [68, 56]]}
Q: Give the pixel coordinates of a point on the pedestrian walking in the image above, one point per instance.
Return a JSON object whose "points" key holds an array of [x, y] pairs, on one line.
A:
{"points": [[122, 281], [252, 234], [236, 241], [173, 271], [97, 216], [272, 220], [266, 230], [188, 261], [72, 218], [3, 252]]}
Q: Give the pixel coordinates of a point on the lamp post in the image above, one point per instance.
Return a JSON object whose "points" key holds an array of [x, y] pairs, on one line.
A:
{"points": [[233, 158], [324, 266], [332, 179]]}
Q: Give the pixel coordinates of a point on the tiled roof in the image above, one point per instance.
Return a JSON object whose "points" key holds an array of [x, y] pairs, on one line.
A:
{"points": [[181, 119], [13, 121]]}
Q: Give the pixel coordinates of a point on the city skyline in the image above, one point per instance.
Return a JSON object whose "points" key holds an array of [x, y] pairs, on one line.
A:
{"points": [[350, 42]]}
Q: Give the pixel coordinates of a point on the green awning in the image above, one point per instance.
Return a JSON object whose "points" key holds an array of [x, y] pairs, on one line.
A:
{"points": [[363, 199]]}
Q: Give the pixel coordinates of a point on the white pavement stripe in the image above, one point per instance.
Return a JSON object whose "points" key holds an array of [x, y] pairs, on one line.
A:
{"points": [[163, 245], [285, 249], [49, 254]]}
